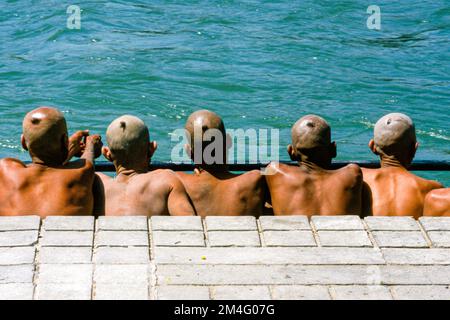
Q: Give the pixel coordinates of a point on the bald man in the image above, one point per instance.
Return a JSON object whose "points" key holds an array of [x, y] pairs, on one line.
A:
{"points": [[392, 190], [213, 189], [437, 203], [50, 185], [310, 188], [135, 190]]}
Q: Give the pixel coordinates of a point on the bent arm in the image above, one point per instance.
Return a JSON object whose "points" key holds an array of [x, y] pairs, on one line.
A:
{"points": [[93, 148], [179, 203]]}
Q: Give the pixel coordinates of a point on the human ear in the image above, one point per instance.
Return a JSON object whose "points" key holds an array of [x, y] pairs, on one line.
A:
{"points": [[107, 154], [292, 153], [414, 150], [23, 142], [188, 149], [373, 147], [152, 146], [333, 150], [229, 141]]}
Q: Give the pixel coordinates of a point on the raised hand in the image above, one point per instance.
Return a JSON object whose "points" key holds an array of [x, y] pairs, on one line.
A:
{"points": [[77, 143]]}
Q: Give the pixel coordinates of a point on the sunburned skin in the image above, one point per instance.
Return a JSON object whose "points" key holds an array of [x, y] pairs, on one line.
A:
{"points": [[437, 203], [309, 188], [135, 190], [213, 189], [392, 190], [50, 185]]}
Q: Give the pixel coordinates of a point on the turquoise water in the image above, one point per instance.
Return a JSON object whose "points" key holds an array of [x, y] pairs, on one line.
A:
{"points": [[260, 64]]}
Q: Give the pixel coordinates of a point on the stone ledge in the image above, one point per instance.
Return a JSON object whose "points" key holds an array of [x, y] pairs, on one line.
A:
{"points": [[290, 257]]}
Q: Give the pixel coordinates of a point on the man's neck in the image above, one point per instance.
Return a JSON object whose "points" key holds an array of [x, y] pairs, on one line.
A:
{"points": [[39, 162], [130, 170], [311, 166], [222, 168], [392, 162]]}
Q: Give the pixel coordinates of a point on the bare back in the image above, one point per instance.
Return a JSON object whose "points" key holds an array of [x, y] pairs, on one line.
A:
{"points": [[297, 191], [393, 191], [44, 191], [158, 192], [226, 194]]}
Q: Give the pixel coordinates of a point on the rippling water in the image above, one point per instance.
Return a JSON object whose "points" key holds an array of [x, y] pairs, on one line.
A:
{"points": [[260, 64]]}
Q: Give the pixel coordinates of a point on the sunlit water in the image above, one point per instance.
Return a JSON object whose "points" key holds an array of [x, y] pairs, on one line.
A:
{"points": [[258, 64]]}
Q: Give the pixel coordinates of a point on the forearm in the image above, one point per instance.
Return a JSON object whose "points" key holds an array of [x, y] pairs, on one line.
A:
{"points": [[72, 153], [89, 153]]}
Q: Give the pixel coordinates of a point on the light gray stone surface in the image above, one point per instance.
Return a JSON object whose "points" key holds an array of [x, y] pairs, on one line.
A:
{"points": [[176, 223], [291, 238], [125, 274], [65, 255], [19, 223], [67, 239], [371, 292], [270, 223], [18, 238], [64, 291], [183, 293], [240, 293], [121, 238], [17, 255], [65, 273], [61, 223], [234, 239], [287, 292], [416, 256], [16, 274], [16, 291], [422, 292], [337, 223], [268, 256], [236, 258], [392, 224], [230, 223], [121, 255], [400, 239], [118, 223], [305, 275], [178, 238], [354, 238], [435, 223], [439, 239], [120, 291]]}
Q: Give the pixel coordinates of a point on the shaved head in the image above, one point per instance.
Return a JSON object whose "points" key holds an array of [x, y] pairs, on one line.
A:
{"points": [[393, 133], [206, 120], [200, 127], [45, 135], [128, 139], [311, 132]]}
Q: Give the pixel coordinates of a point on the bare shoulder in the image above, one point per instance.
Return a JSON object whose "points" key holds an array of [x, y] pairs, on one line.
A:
{"points": [[351, 168], [103, 177], [253, 175], [81, 165], [435, 195], [274, 168], [250, 178], [437, 203], [164, 177], [428, 185], [183, 175], [351, 174], [10, 163]]}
